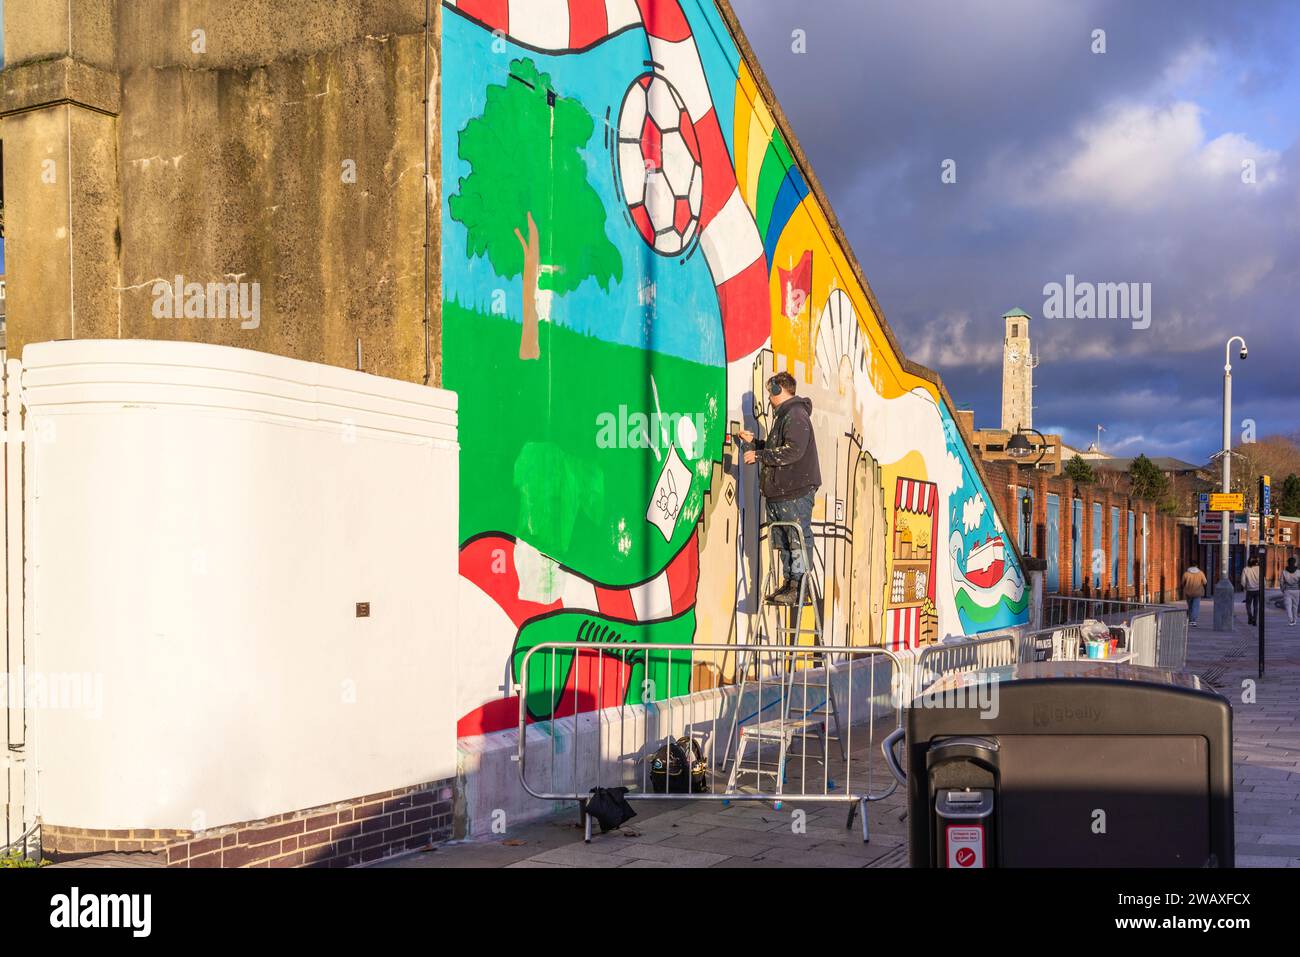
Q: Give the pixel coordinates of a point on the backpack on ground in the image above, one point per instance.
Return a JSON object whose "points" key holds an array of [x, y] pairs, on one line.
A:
{"points": [[678, 767]]}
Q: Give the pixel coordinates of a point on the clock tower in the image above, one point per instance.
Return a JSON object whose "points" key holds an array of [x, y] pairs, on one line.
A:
{"points": [[1017, 373]]}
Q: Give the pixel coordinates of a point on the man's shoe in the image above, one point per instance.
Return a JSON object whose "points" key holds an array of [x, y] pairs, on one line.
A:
{"points": [[788, 595], [771, 599], [794, 591]]}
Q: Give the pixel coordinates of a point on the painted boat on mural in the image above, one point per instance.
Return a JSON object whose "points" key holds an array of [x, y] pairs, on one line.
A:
{"points": [[985, 564]]}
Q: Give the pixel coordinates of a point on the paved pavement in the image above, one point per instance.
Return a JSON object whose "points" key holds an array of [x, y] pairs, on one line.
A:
{"points": [[694, 834], [115, 860], [698, 834], [1266, 736], [1265, 730]]}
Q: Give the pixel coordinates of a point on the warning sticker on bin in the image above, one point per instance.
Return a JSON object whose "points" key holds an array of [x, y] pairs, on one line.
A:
{"points": [[965, 847]]}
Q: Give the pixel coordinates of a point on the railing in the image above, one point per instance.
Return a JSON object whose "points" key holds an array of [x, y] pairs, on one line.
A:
{"points": [[953, 656], [1060, 643], [1072, 609], [1171, 640], [1144, 637], [937, 665], [796, 700], [1156, 639], [1165, 648]]}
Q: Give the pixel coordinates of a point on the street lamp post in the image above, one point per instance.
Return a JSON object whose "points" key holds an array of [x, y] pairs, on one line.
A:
{"points": [[1020, 448], [1223, 592]]}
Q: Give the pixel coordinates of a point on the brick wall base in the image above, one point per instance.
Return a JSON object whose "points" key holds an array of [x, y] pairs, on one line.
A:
{"points": [[342, 834]]}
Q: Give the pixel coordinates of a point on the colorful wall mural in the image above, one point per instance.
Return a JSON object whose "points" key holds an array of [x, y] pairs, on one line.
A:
{"points": [[629, 249]]}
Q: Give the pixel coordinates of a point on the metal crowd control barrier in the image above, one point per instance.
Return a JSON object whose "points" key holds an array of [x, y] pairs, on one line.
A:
{"points": [[1168, 648], [1059, 643], [1171, 638], [1072, 609], [1142, 638], [785, 704], [986, 651]]}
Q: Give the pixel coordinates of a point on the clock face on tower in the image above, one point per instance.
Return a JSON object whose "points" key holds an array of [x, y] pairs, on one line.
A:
{"points": [[1013, 355]]}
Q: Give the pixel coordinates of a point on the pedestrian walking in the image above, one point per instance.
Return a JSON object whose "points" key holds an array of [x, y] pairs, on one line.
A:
{"points": [[1250, 581], [1193, 591], [1291, 590]]}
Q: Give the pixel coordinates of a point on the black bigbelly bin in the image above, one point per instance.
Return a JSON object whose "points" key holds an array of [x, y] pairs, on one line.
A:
{"points": [[1070, 764]]}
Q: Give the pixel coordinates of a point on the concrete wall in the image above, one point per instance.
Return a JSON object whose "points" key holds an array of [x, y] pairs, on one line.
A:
{"points": [[201, 524], [256, 141], [49, 29]]}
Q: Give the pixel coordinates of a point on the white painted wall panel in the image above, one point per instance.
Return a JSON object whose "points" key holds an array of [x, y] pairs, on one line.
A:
{"points": [[202, 522]]}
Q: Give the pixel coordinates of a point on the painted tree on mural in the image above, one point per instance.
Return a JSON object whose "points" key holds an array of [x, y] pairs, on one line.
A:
{"points": [[528, 189]]}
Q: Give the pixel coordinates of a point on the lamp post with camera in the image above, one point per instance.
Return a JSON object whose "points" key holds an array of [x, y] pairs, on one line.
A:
{"points": [[1223, 592]]}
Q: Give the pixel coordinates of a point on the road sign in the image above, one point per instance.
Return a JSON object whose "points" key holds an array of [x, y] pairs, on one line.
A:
{"points": [[1227, 502], [1265, 494]]}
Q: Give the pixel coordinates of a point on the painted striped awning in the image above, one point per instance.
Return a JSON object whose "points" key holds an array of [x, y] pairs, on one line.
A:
{"points": [[905, 628], [917, 497]]}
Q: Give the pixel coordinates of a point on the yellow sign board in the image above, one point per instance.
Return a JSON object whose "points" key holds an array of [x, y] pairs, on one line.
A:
{"points": [[1229, 502]]}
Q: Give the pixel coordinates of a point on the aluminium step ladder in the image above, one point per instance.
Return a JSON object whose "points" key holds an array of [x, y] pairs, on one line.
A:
{"points": [[794, 721]]}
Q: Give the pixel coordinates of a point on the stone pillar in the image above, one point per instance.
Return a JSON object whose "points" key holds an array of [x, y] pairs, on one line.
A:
{"points": [[60, 99], [242, 173]]}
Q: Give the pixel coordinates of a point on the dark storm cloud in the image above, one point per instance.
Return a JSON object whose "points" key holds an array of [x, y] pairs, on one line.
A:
{"points": [[1105, 167]]}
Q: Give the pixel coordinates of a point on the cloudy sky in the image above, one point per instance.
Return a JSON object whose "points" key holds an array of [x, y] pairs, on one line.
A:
{"points": [[1122, 166]]}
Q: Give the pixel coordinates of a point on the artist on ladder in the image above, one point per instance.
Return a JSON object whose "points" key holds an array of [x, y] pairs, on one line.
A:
{"points": [[790, 478]]}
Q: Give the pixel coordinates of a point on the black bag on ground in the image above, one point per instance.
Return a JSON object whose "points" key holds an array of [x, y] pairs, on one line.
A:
{"points": [[609, 807], [678, 767]]}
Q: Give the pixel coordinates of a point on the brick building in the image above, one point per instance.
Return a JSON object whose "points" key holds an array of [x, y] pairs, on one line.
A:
{"points": [[1104, 542], [1097, 541]]}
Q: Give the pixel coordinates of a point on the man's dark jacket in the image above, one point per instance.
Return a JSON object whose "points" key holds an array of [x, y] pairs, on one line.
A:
{"points": [[789, 453]]}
